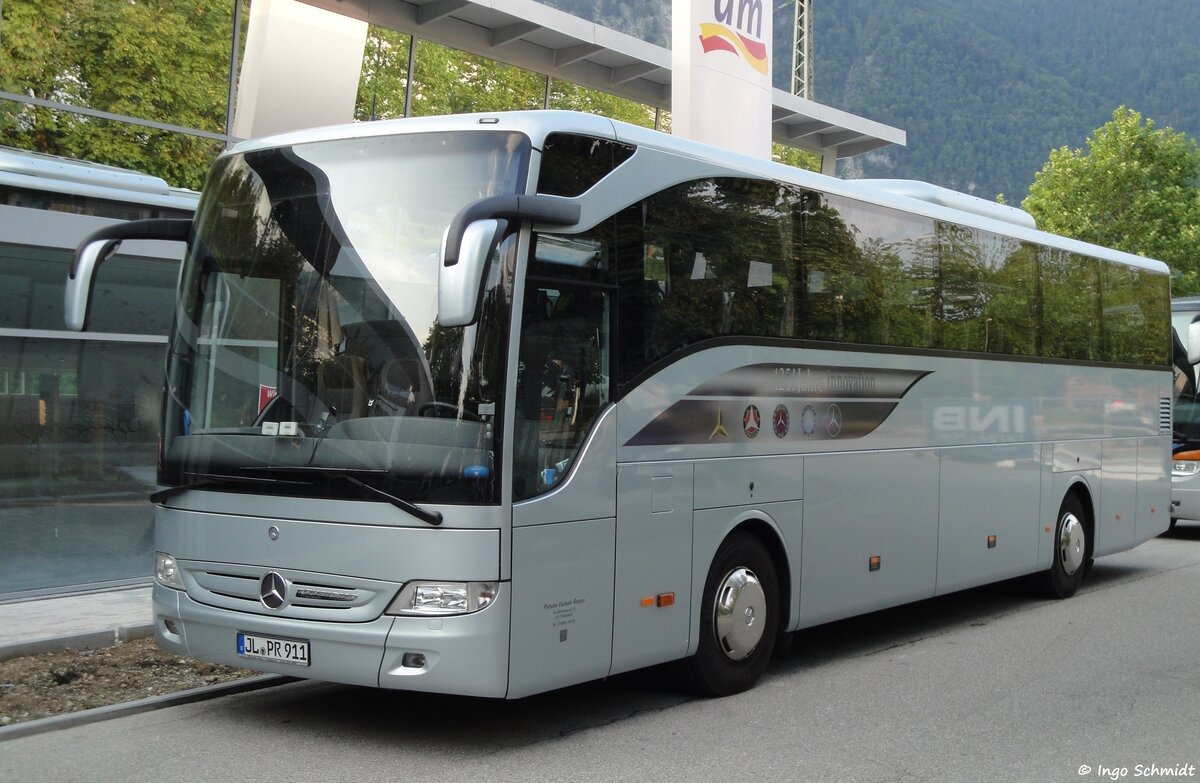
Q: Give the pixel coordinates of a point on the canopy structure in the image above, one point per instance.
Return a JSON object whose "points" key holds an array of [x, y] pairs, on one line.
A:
{"points": [[547, 41]]}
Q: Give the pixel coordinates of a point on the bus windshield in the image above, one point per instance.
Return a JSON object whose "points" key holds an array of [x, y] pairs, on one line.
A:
{"points": [[306, 347]]}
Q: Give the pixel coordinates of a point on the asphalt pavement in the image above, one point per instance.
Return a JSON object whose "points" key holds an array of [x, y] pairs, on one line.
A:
{"points": [[987, 684]]}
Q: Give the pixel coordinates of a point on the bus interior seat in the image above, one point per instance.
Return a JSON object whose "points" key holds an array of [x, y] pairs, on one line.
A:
{"points": [[395, 388], [342, 385]]}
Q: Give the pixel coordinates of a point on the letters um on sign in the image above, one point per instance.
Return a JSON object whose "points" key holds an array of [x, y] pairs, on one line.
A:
{"points": [[749, 15]]}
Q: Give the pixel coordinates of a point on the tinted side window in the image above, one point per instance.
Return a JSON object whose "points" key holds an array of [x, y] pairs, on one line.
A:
{"points": [[133, 295], [870, 275], [742, 257], [572, 164], [1014, 312], [715, 258], [1134, 300], [1071, 306]]}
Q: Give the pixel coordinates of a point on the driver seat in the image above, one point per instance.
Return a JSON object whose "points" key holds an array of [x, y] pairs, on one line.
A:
{"points": [[342, 385]]}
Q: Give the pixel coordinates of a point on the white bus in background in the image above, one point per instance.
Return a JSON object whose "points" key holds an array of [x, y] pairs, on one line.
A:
{"points": [[79, 412], [495, 404], [1185, 465]]}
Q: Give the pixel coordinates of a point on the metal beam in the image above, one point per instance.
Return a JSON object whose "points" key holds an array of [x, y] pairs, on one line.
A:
{"points": [[626, 73], [840, 138], [573, 54], [105, 115], [513, 32], [439, 10], [801, 130]]}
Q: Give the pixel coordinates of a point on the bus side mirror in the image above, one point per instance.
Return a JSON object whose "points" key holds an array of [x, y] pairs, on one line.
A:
{"points": [[98, 247], [1193, 342], [78, 298], [459, 284], [472, 237]]}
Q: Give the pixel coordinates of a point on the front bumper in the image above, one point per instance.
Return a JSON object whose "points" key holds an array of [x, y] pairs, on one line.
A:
{"points": [[1185, 497], [465, 654]]}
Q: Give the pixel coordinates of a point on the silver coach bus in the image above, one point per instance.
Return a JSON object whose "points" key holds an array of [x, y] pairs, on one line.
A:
{"points": [[495, 404]]}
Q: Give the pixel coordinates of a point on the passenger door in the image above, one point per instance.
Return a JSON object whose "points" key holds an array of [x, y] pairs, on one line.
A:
{"points": [[652, 592]]}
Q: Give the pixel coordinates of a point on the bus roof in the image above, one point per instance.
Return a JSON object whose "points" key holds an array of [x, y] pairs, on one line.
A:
{"points": [[37, 171], [905, 195]]}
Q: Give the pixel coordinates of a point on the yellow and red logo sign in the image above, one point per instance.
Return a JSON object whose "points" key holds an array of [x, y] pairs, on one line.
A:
{"points": [[719, 38]]}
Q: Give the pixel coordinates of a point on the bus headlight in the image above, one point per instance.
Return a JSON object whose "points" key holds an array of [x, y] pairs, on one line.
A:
{"points": [[443, 598], [166, 571], [1184, 467]]}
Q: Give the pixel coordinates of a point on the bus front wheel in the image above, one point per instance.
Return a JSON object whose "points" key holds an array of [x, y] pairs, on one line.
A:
{"points": [[739, 619], [1070, 551]]}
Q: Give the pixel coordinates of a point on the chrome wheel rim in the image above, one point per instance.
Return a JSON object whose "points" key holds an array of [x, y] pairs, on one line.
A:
{"points": [[740, 613], [1072, 543]]}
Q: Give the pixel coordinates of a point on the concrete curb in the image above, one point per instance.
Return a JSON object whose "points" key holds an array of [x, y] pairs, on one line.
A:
{"points": [[85, 641], [83, 717]]}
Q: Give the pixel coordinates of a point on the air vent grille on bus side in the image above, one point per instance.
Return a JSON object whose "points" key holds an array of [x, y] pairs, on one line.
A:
{"points": [[1164, 415]]}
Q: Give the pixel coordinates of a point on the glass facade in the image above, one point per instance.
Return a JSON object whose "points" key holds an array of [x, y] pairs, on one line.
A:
{"points": [[79, 420], [79, 414]]}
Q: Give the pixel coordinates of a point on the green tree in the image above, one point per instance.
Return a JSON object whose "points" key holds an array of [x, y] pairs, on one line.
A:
{"points": [[384, 76], [448, 81], [160, 60], [1134, 188], [795, 157]]}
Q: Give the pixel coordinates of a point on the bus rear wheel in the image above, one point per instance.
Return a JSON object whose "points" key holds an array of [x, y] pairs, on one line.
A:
{"points": [[739, 620], [1070, 551]]}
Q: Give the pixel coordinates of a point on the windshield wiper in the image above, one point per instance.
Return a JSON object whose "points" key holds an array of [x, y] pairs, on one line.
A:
{"points": [[430, 517], [208, 480]]}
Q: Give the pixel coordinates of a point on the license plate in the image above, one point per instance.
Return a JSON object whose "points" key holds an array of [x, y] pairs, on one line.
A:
{"points": [[271, 648]]}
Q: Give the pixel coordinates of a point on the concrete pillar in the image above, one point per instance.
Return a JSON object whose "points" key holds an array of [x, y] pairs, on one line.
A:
{"points": [[301, 68], [721, 73], [829, 161]]}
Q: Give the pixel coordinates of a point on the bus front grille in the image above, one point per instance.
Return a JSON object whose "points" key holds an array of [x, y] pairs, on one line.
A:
{"points": [[285, 593]]}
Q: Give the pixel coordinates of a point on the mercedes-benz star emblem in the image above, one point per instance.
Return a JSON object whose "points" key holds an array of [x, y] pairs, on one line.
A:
{"points": [[272, 590], [833, 422]]}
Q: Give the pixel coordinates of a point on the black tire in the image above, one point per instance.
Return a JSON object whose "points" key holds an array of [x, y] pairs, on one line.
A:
{"points": [[739, 620], [1072, 551]]}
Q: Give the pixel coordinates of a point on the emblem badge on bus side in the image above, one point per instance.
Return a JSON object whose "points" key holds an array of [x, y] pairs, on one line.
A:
{"points": [[720, 428], [751, 421], [833, 421], [781, 421], [272, 590]]}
